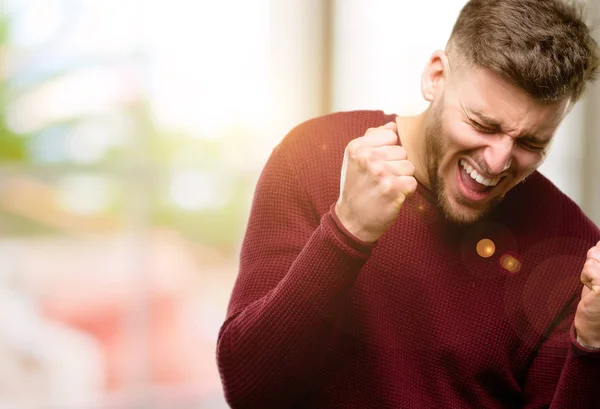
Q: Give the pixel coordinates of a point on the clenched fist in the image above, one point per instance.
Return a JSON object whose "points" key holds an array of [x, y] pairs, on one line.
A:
{"points": [[587, 318], [376, 179]]}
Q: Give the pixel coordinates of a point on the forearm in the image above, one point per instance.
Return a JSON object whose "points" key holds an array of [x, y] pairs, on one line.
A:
{"points": [[270, 351]]}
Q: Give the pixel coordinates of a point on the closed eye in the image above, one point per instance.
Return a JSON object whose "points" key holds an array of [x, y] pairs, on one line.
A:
{"points": [[530, 147], [482, 128]]}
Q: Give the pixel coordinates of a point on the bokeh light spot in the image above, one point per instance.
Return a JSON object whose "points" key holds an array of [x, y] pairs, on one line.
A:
{"points": [[486, 248], [510, 263]]}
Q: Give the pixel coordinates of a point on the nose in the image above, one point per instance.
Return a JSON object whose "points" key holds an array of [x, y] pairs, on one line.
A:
{"points": [[498, 154]]}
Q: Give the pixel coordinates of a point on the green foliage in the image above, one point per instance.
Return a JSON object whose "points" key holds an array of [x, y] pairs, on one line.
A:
{"points": [[151, 153], [13, 147]]}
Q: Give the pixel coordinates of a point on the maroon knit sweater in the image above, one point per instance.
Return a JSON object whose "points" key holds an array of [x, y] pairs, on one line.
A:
{"points": [[418, 320]]}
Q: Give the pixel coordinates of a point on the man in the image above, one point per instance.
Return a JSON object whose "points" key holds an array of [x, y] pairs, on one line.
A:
{"points": [[423, 262]]}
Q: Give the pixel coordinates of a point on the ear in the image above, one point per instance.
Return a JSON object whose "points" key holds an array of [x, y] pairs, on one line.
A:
{"points": [[434, 75]]}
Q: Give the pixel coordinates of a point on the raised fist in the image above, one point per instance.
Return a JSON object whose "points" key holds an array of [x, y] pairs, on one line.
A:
{"points": [[376, 179]]}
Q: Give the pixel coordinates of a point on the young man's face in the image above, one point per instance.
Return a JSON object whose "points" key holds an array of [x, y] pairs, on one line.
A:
{"points": [[483, 137]]}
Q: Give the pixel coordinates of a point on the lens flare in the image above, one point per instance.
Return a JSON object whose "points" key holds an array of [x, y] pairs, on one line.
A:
{"points": [[510, 263], [486, 248]]}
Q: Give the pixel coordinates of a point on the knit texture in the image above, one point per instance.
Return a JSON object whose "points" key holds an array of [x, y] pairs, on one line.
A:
{"points": [[318, 319]]}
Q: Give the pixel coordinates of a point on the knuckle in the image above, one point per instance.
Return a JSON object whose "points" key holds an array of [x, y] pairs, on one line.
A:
{"points": [[358, 154], [353, 148], [400, 198], [362, 158], [583, 275], [386, 186], [585, 269], [388, 132], [370, 130], [377, 169]]}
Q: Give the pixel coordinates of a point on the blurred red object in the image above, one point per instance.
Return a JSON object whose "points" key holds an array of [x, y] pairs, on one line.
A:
{"points": [[139, 297]]}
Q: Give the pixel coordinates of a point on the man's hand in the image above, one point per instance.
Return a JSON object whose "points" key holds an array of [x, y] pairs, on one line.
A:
{"points": [[376, 179], [587, 318]]}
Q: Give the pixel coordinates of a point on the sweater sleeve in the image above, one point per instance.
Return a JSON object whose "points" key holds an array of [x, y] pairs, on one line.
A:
{"points": [[564, 374], [297, 270]]}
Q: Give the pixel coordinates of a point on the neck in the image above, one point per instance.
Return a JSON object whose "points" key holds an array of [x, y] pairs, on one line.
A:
{"points": [[411, 130]]}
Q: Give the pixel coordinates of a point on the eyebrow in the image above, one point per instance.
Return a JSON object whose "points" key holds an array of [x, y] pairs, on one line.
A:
{"points": [[493, 123]]}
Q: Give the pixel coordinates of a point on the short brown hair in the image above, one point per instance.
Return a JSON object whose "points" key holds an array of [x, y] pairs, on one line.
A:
{"points": [[542, 46]]}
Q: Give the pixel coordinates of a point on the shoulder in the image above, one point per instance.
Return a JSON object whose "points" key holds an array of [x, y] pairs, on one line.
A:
{"points": [[337, 129], [323, 139], [315, 150], [537, 204]]}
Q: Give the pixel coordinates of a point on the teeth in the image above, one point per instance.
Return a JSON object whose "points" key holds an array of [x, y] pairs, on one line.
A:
{"points": [[476, 176]]}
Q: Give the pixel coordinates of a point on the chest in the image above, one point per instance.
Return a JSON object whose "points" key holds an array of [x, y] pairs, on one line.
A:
{"points": [[428, 301]]}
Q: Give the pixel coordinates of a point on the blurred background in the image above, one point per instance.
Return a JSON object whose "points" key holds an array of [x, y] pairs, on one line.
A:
{"points": [[132, 133]]}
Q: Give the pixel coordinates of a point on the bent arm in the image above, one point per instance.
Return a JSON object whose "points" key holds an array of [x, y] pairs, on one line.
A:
{"points": [[296, 273]]}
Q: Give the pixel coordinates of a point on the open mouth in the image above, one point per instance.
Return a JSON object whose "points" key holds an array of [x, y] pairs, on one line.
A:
{"points": [[473, 185]]}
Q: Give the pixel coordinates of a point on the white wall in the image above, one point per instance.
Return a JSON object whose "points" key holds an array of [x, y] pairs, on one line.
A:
{"points": [[380, 50]]}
